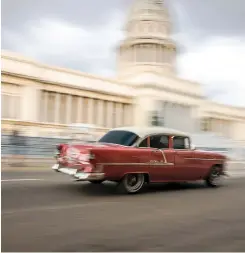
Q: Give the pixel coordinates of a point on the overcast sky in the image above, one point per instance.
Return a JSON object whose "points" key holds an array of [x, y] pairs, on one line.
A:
{"points": [[84, 35]]}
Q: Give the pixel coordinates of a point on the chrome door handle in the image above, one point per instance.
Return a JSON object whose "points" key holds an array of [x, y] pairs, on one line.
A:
{"points": [[154, 151]]}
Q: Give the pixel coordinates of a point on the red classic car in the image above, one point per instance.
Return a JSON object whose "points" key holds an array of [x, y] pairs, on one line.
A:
{"points": [[133, 156]]}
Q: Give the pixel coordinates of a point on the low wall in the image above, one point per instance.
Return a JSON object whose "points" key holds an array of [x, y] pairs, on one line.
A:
{"points": [[30, 146], [45, 147]]}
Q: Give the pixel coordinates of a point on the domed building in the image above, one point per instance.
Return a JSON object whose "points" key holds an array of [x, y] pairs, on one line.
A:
{"points": [[44, 99]]}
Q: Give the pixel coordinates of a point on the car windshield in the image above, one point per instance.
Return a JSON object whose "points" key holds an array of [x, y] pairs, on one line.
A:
{"points": [[124, 138]]}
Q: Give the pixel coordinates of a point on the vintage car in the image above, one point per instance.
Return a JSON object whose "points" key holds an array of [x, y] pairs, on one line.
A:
{"points": [[133, 156]]}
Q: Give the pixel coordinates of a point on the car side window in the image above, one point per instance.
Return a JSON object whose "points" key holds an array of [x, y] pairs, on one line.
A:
{"points": [[159, 141], [180, 142], [143, 144]]}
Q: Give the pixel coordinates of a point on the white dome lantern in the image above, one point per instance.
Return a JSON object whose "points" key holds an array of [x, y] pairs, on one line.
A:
{"points": [[147, 43]]}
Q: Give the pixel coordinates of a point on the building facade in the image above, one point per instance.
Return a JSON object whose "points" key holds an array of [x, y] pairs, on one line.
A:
{"points": [[45, 99]]}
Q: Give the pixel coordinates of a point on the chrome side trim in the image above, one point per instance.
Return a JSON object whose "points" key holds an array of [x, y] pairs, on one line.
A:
{"points": [[203, 159], [137, 164]]}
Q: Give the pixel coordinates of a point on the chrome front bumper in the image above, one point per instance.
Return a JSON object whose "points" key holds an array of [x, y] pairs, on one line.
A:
{"points": [[80, 176]]}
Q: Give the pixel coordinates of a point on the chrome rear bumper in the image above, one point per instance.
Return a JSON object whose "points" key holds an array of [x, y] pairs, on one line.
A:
{"points": [[79, 176]]}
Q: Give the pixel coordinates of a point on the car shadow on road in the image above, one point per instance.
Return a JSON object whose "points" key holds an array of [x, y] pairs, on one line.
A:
{"points": [[111, 189]]}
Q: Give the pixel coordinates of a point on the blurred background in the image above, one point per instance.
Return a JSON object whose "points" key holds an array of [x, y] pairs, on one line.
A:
{"points": [[72, 70]]}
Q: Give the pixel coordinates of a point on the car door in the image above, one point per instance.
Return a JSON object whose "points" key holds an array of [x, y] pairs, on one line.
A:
{"points": [[185, 165], [161, 159]]}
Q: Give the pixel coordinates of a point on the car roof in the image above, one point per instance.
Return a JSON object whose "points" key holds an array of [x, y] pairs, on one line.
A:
{"points": [[144, 131]]}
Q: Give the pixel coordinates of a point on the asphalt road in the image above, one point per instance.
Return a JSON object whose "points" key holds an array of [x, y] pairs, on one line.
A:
{"points": [[47, 211]]}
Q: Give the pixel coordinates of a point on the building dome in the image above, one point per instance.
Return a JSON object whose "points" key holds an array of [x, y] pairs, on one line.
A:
{"points": [[147, 41]]}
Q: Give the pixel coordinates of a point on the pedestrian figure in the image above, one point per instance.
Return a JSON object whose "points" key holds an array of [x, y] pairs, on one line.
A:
{"points": [[15, 143]]}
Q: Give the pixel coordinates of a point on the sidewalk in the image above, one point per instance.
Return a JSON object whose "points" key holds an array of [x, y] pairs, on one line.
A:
{"points": [[26, 164], [25, 169]]}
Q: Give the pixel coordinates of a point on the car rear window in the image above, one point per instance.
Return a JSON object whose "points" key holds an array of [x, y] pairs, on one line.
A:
{"points": [[125, 138]]}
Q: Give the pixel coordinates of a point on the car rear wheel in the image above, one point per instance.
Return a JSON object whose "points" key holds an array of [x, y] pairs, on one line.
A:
{"points": [[215, 177], [96, 181], [132, 183]]}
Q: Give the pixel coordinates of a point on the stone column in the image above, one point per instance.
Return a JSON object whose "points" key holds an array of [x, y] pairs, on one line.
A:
{"points": [[127, 54], [150, 55], [118, 114], [127, 116], [30, 102], [100, 113], [196, 119], [130, 114], [163, 54], [229, 128], [142, 109], [13, 107], [213, 124], [57, 108], [44, 110], [68, 108], [134, 53], [80, 109], [109, 114], [18, 107], [90, 110], [154, 53], [170, 56]]}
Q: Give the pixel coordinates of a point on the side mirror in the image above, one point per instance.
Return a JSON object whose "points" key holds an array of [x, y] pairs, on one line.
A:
{"points": [[193, 147]]}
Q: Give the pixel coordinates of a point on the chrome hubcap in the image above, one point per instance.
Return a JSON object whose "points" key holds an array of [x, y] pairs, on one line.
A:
{"points": [[216, 177], [134, 182]]}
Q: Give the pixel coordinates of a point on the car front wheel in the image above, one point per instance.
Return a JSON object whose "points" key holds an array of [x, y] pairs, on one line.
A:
{"points": [[215, 177], [132, 183]]}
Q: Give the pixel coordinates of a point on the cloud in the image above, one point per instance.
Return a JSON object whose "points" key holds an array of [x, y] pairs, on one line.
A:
{"points": [[211, 46], [59, 42], [217, 63], [210, 17]]}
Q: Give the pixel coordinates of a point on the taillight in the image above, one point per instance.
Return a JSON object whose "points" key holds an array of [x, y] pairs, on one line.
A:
{"points": [[87, 157], [59, 147], [90, 168], [58, 150], [91, 156]]}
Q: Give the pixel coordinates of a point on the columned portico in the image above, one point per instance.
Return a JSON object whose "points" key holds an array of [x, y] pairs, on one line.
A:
{"points": [[30, 103], [178, 115]]}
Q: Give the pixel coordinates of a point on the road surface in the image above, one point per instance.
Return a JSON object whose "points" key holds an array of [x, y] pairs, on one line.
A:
{"points": [[47, 211]]}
